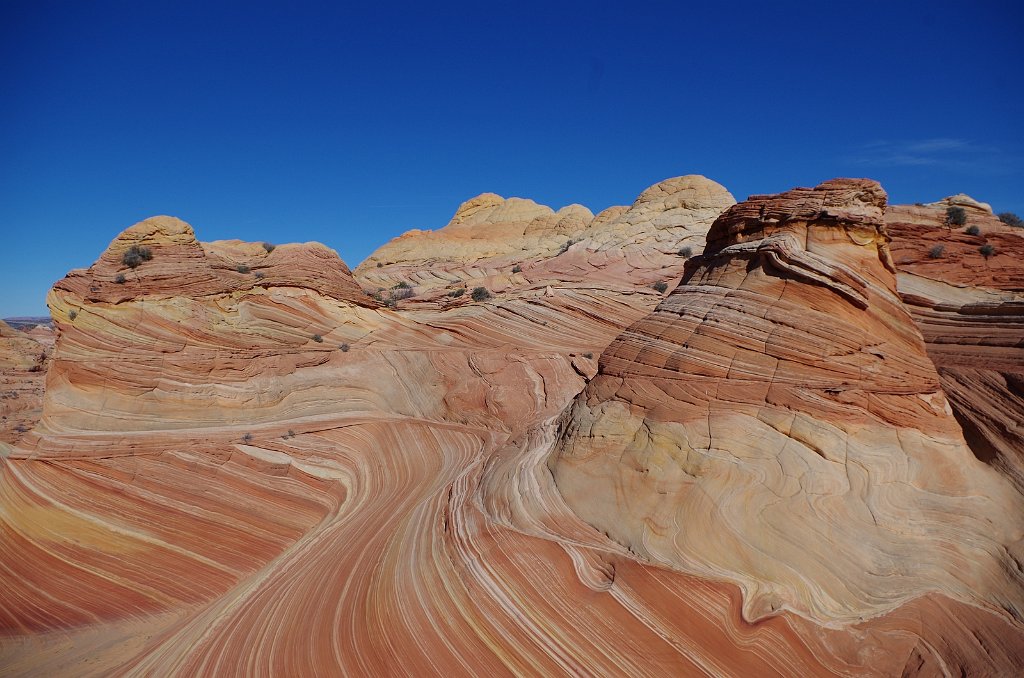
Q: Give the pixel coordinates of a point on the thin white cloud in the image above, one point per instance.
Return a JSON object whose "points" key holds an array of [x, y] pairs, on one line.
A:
{"points": [[959, 154]]}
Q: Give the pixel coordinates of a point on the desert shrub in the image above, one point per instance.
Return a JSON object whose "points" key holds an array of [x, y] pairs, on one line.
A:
{"points": [[291, 433], [135, 255], [686, 252], [72, 314], [242, 268], [987, 250], [259, 275], [1011, 219], [400, 285], [660, 286], [344, 348], [380, 265], [956, 216], [937, 252], [247, 438], [269, 247], [119, 279], [401, 293], [318, 339], [457, 293], [481, 294], [972, 230], [588, 355], [565, 247], [517, 269]]}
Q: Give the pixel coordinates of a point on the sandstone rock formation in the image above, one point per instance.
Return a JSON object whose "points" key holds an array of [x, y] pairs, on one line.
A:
{"points": [[970, 308], [247, 466], [490, 236], [777, 422], [24, 357]]}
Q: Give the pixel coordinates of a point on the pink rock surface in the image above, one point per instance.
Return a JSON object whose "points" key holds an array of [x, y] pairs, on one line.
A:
{"points": [[213, 491]]}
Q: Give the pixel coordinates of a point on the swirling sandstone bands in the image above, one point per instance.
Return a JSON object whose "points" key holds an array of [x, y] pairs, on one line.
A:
{"points": [[212, 491], [782, 394], [970, 308]]}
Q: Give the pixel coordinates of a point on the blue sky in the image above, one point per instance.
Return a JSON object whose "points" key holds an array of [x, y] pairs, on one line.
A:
{"points": [[351, 124]]}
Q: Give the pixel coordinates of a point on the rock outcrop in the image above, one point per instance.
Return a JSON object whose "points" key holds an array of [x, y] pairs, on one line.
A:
{"points": [[247, 466], [517, 245], [968, 301], [778, 423], [24, 358]]}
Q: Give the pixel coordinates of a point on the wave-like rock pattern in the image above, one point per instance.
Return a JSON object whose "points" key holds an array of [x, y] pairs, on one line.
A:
{"points": [[777, 422], [970, 308], [212, 491], [489, 236]]}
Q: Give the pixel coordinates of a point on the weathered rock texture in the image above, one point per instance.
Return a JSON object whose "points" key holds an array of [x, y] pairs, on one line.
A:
{"points": [[970, 308], [489, 236], [777, 422], [24, 357], [242, 474]]}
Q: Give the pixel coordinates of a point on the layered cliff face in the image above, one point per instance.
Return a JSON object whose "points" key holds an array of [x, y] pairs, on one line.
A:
{"points": [[964, 286], [777, 422], [247, 466], [489, 236]]}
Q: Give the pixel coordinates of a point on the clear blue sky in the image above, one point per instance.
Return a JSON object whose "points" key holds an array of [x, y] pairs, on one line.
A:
{"points": [[348, 125]]}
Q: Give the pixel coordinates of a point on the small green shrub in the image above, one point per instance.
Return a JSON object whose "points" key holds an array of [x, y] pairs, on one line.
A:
{"points": [[457, 293], [987, 250], [135, 255], [380, 265], [401, 285], [242, 268], [401, 293], [588, 355], [269, 247], [972, 230], [259, 275], [318, 339], [481, 294], [956, 216], [686, 252], [660, 286], [937, 252], [119, 279], [247, 438], [565, 248], [1011, 219], [72, 315], [517, 269], [344, 348]]}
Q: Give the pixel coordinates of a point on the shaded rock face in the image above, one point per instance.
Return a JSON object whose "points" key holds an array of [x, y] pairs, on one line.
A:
{"points": [[970, 308], [782, 393]]}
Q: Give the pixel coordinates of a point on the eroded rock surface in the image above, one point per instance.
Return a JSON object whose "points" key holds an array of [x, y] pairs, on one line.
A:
{"points": [[24, 358], [515, 244], [777, 422], [969, 303], [247, 466]]}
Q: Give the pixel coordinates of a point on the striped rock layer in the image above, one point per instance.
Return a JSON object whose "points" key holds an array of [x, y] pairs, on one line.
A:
{"points": [[242, 474]]}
